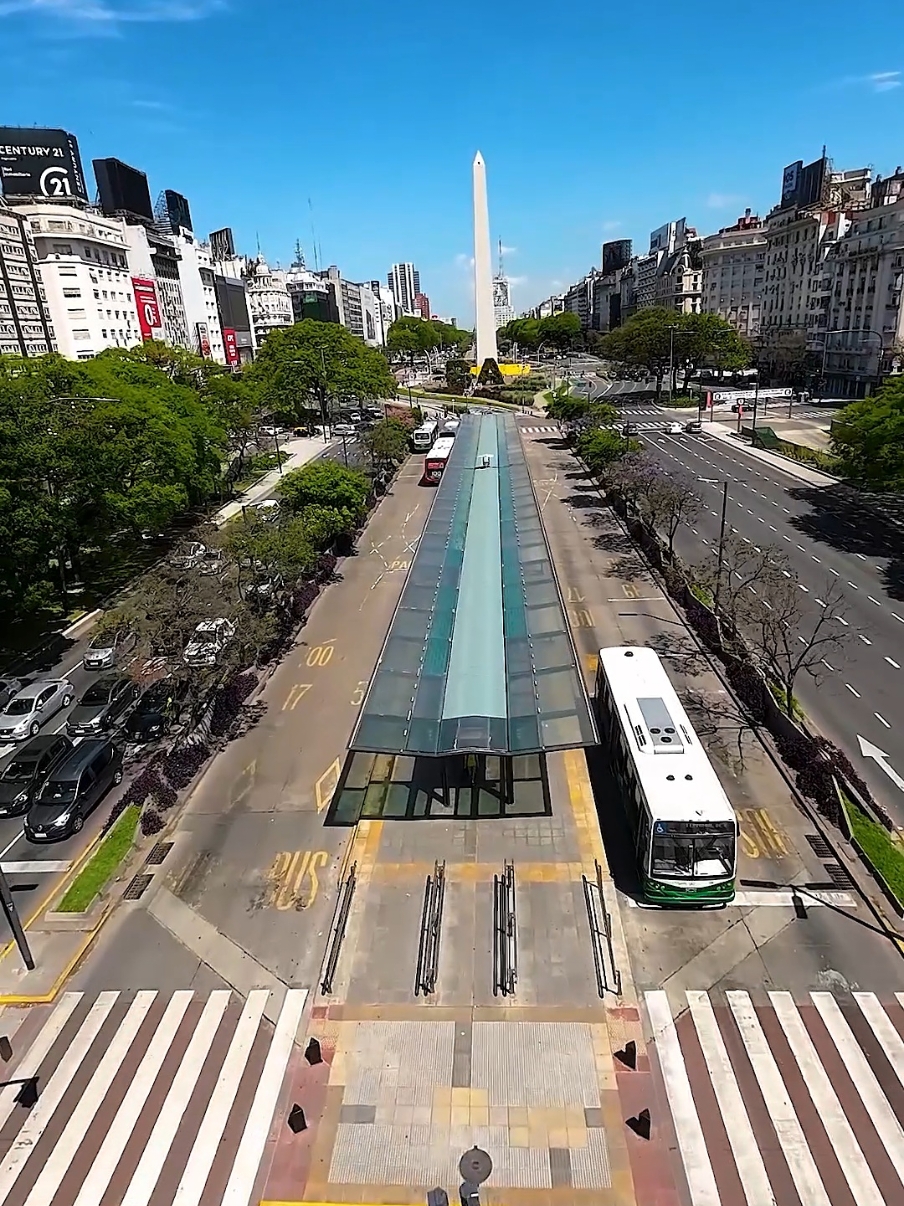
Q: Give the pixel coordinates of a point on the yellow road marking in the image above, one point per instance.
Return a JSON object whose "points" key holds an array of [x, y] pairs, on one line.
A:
{"points": [[631, 591], [287, 875], [575, 596], [581, 617], [298, 692], [327, 784], [359, 693], [760, 836], [320, 655]]}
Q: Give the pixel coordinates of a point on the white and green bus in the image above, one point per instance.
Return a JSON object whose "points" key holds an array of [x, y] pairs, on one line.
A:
{"points": [[685, 829]]}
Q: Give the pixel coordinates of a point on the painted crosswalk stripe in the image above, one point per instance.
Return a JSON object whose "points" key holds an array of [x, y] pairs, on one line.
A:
{"points": [[889, 1039], [65, 1148], [39, 1117], [257, 1128], [882, 1116], [833, 1118], [700, 1177], [152, 1158], [31, 1062], [790, 1133], [216, 1116], [741, 1138], [120, 1131]]}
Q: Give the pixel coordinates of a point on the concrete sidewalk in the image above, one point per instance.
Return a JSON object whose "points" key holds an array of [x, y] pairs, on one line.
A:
{"points": [[300, 452], [803, 473]]}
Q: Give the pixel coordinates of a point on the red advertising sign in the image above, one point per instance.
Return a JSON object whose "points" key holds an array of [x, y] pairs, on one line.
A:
{"points": [[149, 319], [230, 347]]}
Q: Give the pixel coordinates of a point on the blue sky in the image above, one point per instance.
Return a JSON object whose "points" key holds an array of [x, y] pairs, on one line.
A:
{"points": [[595, 122]]}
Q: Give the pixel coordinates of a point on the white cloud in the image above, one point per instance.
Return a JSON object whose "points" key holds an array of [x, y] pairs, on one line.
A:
{"points": [[611, 224], [508, 250], [106, 13], [723, 200], [517, 281], [875, 81], [464, 261]]}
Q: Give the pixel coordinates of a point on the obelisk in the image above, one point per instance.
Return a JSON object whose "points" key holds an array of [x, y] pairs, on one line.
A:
{"points": [[483, 272]]}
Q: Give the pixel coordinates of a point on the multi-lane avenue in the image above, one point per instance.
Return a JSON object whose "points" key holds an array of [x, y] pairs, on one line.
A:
{"points": [[832, 544]]}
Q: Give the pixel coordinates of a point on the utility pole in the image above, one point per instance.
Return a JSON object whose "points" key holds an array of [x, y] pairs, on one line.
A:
{"points": [[15, 924], [721, 547]]}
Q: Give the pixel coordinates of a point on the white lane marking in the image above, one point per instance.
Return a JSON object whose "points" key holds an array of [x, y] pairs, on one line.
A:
{"points": [[889, 1039], [805, 589], [832, 1116], [772, 528], [784, 537], [816, 559], [768, 606], [698, 1169], [37, 1052], [65, 1148], [785, 509], [40, 1115], [882, 720], [820, 602], [842, 620], [257, 1128], [854, 585], [120, 1131], [860, 555], [835, 572], [852, 691], [874, 1100], [872, 600], [786, 573], [6, 849], [891, 661], [779, 1106], [827, 666], [801, 547], [897, 617]]}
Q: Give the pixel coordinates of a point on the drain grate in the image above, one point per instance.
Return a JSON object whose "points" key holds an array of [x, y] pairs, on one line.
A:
{"points": [[136, 887], [158, 854], [839, 875], [821, 847]]}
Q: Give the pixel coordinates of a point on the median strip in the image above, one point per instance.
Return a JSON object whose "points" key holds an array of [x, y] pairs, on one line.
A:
{"points": [[103, 864], [876, 843]]}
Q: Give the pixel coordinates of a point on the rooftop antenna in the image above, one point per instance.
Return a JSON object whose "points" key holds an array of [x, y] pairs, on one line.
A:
{"points": [[299, 254], [314, 244], [501, 266]]}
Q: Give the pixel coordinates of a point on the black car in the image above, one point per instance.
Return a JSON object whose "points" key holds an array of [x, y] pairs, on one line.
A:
{"points": [[8, 688], [153, 714], [74, 787], [23, 776], [103, 703]]}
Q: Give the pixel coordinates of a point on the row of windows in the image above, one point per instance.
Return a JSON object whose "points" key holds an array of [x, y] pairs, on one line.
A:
{"points": [[102, 254]]}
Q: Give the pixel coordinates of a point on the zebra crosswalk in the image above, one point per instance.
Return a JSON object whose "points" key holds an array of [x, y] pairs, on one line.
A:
{"points": [[538, 430], [784, 1101], [132, 1097]]}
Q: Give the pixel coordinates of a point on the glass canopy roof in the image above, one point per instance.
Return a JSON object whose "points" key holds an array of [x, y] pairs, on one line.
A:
{"points": [[478, 657]]}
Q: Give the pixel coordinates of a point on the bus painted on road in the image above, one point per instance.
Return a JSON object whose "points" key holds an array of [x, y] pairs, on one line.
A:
{"points": [[435, 460], [423, 437], [685, 829]]}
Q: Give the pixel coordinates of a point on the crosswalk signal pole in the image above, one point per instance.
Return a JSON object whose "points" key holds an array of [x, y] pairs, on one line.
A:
{"points": [[12, 916]]}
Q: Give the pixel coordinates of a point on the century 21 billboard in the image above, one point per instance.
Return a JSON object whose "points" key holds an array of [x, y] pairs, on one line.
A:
{"points": [[40, 163]]}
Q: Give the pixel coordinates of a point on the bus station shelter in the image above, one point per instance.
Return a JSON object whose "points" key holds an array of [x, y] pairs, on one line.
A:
{"points": [[478, 677]]}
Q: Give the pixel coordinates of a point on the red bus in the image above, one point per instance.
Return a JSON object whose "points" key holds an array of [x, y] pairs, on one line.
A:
{"points": [[435, 460]]}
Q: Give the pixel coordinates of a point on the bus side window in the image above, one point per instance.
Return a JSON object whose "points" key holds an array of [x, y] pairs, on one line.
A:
{"points": [[643, 840]]}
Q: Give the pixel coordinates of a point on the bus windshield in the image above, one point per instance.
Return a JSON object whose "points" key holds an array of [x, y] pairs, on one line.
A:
{"points": [[698, 855]]}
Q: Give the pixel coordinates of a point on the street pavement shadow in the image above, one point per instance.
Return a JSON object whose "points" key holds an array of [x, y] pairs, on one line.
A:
{"points": [[836, 520], [615, 828]]}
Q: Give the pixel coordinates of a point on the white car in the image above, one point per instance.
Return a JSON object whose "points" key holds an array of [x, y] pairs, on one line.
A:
{"points": [[344, 429], [189, 556], [32, 707], [675, 429], [267, 510], [210, 639]]}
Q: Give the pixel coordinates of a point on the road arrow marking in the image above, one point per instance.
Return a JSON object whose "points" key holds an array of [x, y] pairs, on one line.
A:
{"points": [[868, 750]]}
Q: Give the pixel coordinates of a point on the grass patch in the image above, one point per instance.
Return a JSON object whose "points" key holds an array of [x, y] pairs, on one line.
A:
{"points": [[102, 865], [875, 842], [778, 694], [702, 595]]}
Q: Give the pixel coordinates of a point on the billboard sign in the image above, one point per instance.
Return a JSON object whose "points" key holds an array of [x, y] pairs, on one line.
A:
{"points": [[803, 185], [222, 244], [745, 395], [616, 254], [790, 181], [122, 189], [40, 163], [149, 320], [230, 347], [203, 334]]}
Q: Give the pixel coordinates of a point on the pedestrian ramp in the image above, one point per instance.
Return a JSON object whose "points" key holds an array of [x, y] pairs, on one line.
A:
{"points": [[129, 1097], [780, 1100]]}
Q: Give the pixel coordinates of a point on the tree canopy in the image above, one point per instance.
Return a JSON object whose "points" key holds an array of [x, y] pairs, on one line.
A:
{"points": [[325, 483], [868, 438], [410, 336], [559, 331], [302, 371]]}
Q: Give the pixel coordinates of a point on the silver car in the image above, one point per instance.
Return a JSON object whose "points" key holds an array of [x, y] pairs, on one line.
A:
{"points": [[32, 707], [107, 648]]}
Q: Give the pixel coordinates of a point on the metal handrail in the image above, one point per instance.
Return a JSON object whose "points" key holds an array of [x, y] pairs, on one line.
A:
{"points": [[343, 908], [431, 930]]}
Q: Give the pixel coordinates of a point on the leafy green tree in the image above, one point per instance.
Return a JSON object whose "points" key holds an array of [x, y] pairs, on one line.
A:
{"points": [[643, 342], [412, 336], [562, 331], [326, 483], [601, 447], [525, 332], [309, 367], [387, 442], [707, 339], [458, 375], [868, 438]]}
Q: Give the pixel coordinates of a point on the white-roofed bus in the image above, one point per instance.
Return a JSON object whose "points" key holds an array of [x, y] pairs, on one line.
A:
{"points": [[435, 460], [685, 829]]}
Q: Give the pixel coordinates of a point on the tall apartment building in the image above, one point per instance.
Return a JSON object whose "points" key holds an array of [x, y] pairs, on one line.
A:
{"points": [[814, 212], [84, 260], [864, 284], [388, 308], [266, 292], [422, 305], [26, 327], [734, 264], [578, 298], [199, 295], [405, 282], [154, 260], [671, 273]]}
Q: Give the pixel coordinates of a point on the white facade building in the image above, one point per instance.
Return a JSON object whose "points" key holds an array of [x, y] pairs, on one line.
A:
{"points": [[199, 297], [734, 265], [154, 257], [85, 267], [404, 281], [387, 308], [26, 328], [269, 302], [503, 310], [864, 336]]}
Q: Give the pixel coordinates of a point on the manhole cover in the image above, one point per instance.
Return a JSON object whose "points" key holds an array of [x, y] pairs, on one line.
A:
{"points": [[475, 1166], [821, 847], [136, 887]]}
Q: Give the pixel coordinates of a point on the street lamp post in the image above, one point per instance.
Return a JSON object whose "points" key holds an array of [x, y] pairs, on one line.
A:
{"points": [[721, 562]]}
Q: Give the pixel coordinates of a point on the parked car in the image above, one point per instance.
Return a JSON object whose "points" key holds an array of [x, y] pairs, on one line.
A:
{"points": [[153, 714], [190, 555], [30, 766], [108, 648], [212, 563], [695, 427], [74, 787], [355, 417], [33, 706], [268, 509], [344, 429], [270, 431], [210, 639], [101, 705], [8, 688]]}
